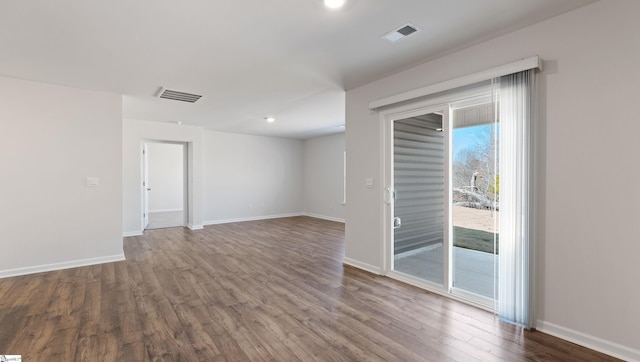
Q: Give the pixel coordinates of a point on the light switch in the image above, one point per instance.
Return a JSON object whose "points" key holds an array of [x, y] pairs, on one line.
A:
{"points": [[92, 181], [368, 182]]}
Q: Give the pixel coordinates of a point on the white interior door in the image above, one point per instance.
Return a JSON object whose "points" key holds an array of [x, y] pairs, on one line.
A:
{"points": [[145, 185]]}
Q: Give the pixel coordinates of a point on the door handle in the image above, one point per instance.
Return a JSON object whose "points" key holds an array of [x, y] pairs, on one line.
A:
{"points": [[397, 222], [148, 189], [389, 196]]}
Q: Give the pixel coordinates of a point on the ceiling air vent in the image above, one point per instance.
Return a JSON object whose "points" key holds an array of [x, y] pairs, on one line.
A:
{"points": [[177, 95], [401, 32]]}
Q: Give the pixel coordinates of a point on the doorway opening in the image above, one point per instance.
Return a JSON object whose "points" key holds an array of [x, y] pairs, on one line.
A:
{"points": [[164, 186]]}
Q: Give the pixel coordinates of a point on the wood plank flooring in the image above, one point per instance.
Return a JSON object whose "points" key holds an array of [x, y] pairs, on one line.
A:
{"points": [[272, 290]]}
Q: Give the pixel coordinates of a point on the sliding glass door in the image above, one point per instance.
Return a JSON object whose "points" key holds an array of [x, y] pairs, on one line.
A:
{"points": [[443, 199], [460, 194]]}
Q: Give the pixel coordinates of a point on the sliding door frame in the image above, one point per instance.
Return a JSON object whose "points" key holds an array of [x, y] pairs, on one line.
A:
{"points": [[390, 190], [387, 118]]}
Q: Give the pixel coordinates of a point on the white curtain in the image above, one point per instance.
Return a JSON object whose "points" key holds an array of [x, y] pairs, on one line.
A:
{"points": [[516, 266]]}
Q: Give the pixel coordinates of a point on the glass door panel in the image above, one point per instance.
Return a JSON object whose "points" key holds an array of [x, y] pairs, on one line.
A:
{"points": [[419, 197], [475, 197]]}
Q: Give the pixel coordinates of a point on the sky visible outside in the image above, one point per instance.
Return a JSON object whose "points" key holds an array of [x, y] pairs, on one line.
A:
{"points": [[465, 137]]}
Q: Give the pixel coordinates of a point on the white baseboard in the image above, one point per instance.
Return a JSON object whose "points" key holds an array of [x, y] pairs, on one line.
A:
{"points": [[59, 266], [126, 234], [317, 216], [594, 343], [165, 210], [241, 219], [364, 266], [252, 218]]}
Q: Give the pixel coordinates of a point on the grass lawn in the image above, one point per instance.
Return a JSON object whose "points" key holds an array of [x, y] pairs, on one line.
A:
{"points": [[474, 239]]}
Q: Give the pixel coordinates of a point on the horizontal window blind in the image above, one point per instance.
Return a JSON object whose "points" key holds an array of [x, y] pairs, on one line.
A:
{"points": [[419, 182]]}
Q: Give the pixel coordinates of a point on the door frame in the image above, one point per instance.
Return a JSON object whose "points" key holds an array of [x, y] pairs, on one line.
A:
{"points": [[386, 118], [388, 210], [185, 177], [145, 186]]}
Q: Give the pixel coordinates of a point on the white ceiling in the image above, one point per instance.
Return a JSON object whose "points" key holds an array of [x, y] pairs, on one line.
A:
{"points": [[290, 59]]}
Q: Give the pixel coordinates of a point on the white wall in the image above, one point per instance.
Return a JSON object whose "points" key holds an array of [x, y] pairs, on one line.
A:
{"points": [[588, 226], [51, 139], [324, 177], [166, 176], [251, 177], [135, 134], [231, 177]]}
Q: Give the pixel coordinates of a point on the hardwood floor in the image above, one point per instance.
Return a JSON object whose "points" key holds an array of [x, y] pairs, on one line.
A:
{"points": [[272, 290]]}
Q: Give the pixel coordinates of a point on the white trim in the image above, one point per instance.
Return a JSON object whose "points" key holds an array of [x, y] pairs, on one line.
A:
{"points": [[166, 210], [386, 176], [59, 266], [360, 265], [517, 66], [475, 299], [437, 289], [330, 218], [410, 109], [127, 234], [252, 218], [591, 342], [188, 152], [447, 265]]}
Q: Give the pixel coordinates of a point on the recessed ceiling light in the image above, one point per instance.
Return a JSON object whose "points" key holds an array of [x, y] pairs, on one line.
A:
{"points": [[334, 4], [270, 119]]}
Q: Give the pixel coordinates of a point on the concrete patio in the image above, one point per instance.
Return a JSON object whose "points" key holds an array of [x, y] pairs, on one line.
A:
{"points": [[473, 270]]}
